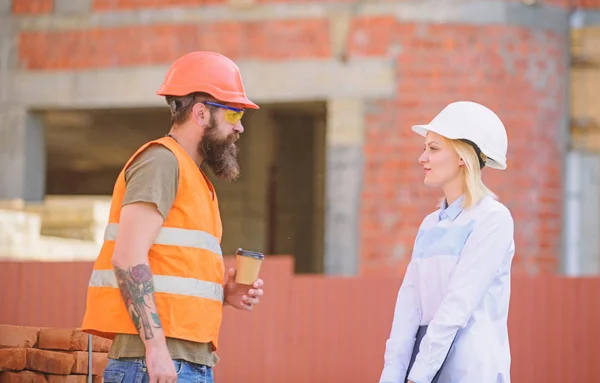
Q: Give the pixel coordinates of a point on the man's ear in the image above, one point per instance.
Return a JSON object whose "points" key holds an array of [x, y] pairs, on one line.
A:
{"points": [[200, 113]]}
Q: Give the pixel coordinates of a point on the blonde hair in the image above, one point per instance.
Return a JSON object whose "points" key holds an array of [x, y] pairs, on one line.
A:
{"points": [[475, 190]]}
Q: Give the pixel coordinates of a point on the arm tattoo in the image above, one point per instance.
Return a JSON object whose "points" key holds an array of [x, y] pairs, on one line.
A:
{"points": [[137, 290]]}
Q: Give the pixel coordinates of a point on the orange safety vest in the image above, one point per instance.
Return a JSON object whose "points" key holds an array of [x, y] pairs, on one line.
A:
{"points": [[185, 259]]}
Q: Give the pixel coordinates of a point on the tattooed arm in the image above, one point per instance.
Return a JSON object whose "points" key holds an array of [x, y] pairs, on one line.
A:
{"points": [[137, 290], [139, 225]]}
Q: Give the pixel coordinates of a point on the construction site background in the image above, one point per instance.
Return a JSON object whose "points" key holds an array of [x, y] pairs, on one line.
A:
{"points": [[331, 189]]}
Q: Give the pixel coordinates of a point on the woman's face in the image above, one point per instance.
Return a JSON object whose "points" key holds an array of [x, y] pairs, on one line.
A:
{"points": [[441, 163]]}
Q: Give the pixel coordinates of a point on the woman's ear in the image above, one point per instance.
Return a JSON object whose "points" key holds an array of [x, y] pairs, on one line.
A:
{"points": [[461, 162]]}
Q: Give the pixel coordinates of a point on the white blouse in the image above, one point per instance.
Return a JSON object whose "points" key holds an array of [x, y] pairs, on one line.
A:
{"points": [[457, 282]]}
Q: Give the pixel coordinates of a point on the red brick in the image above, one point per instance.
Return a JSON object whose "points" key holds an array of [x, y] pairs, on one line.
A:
{"points": [[18, 336], [70, 339], [22, 377], [51, 362], [438, 64], [581, 3], [119, 5], [371, 36], [62, 339], [114, 5], [72, 379], [99, 361], [12, 359], [32, 6], [304, 1], [162, 44]]}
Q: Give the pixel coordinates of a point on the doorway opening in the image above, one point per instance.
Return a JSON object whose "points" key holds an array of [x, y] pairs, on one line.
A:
{"points": [[277, 204]]}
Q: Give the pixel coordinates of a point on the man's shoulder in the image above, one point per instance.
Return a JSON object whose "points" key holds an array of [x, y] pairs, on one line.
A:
{"points": [[157, 153], [152, 158]]}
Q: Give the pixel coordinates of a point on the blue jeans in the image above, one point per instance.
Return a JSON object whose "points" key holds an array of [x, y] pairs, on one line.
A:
{"points": [[134, 371]]}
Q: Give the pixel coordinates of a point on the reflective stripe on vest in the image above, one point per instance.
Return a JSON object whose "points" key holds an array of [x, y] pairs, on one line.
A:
{"points": [[170, 236], [165, 284], [174, 236]]}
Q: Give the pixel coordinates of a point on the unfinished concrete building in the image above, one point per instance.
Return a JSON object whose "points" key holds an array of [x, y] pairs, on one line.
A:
{"points": [[329, 163]]}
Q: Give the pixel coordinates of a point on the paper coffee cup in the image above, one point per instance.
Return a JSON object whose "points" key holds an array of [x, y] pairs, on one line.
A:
{"points": [[247, 266]]}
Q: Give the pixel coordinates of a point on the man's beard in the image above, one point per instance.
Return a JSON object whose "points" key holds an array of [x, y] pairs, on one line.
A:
{"points": [[220, 154]]}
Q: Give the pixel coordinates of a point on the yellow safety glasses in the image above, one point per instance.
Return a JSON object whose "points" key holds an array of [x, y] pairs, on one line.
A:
{"points": [[232, 115]]}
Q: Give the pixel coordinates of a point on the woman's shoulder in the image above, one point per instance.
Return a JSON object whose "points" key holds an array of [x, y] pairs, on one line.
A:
{"points": [[491, 207], [430, 219]]}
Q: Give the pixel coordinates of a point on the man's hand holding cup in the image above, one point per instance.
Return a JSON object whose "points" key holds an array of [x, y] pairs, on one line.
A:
{"points": [[243, 287]]}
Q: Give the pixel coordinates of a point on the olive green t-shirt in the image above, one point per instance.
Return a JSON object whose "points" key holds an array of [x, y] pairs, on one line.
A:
{"points": [[153, 177]]}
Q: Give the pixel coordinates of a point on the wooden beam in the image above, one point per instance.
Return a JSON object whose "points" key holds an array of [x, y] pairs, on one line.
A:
{"points": [[585, 46], [585, 97], [585, 136]]}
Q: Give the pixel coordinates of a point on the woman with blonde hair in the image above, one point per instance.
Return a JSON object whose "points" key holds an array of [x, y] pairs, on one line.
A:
{"points": [[450, 320]]}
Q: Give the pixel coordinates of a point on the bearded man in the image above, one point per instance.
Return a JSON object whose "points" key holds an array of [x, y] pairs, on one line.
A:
{"points": [[159, 284]]}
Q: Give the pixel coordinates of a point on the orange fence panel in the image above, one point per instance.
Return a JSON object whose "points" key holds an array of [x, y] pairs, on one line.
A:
{"points": [[311, 328], [43, 293]]}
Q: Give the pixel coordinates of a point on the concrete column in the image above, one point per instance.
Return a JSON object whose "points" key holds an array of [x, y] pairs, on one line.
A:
{"points": [[571, 262], [22, 155], [259, 157], [590, 221], [343, 185], [582, 214], [319, 198]]}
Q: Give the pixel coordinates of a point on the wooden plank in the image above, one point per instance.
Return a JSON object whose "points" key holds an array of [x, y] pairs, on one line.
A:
{"points": [[585, 98], [586, 138], [585, 45]]}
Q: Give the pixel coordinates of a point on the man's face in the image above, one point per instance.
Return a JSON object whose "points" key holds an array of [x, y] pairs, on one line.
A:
{"points": [[218, 146]]}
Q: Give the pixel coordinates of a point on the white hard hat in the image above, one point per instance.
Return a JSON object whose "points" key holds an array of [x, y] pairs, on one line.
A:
{"points": [[474, 122]]}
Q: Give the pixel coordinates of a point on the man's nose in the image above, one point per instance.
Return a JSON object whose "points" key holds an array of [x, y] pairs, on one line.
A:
{"points": [[238, 128]]}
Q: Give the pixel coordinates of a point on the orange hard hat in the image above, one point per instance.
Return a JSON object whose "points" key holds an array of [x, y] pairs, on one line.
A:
{"points": [[207, 72]]}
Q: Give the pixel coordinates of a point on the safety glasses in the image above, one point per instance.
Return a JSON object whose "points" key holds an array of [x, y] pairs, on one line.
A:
{"points": [[232, 115]]}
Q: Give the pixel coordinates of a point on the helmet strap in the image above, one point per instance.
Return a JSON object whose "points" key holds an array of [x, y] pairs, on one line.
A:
{"points": [[174, 105], [480, 156], [180, 102]]}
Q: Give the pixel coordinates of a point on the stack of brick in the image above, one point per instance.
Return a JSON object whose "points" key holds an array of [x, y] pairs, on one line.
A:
{"points": [[49, 355]]}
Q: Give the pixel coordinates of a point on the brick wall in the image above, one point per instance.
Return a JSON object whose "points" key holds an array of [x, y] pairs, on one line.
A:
{"points": [[46, 6], [162, 44], [32, 6], [517, 71], [49, 355], [519, 74]]}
